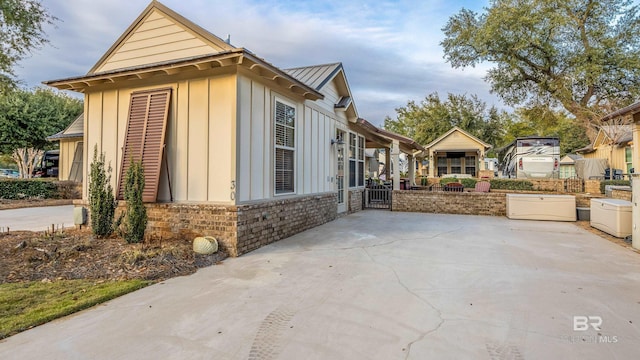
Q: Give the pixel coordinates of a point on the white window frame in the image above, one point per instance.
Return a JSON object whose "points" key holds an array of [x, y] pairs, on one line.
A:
{"points": [[360, 164], [356, 157], [277, 146]]}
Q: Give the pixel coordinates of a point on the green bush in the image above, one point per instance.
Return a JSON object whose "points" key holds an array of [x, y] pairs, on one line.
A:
{"points": [[445, 181], [102, 203], [136, 214], [468, 183], [508, 184], [604, 183], [28, 189]]}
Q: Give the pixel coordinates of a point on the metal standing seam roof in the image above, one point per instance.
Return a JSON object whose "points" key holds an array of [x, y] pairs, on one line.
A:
{"points": [[75, 129], [315, 76]]}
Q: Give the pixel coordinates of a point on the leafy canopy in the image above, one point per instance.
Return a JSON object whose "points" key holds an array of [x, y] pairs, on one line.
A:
{"points": [[542, 121], [432, 117], [28, 117], [580, 54], [21, 31]]}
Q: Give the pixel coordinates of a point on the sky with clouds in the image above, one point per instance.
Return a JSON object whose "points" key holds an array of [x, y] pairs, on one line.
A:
{"points": [[389, 48]]}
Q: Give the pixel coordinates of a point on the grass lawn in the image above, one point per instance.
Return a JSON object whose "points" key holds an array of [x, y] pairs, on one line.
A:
{"points": [[25, 305]]}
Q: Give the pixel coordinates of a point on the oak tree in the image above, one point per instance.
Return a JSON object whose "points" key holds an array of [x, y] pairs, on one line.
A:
{"points": [[580, 54], [21, 31]]}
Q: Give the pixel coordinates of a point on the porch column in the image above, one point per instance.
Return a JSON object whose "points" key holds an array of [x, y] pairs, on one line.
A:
{"points": [[635, 184], [395, 154], [412, 169], [387, 164], [432, 164]]}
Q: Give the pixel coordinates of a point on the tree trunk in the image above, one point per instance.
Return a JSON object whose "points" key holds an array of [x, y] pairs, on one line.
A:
{"points": [[610, 162], [26, 158]]}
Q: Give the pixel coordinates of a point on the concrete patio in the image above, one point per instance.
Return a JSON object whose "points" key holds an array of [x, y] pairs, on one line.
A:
{"points": [[376, 285]]}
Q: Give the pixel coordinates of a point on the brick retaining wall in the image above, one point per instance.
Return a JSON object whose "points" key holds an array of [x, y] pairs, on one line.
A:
{"points": [[621, 194], [553, 185], [464, 203], [592, 186]]}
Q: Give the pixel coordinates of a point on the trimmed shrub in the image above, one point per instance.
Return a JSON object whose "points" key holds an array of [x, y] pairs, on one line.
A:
{"points": [[136, 214], [468, 183], [69, 189], [445, 181], [604, 183], [102, 203], [508, 184], [28, 189]]}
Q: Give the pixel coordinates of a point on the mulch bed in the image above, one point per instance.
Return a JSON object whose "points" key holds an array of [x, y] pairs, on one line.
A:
{"points": [[77, 254]]}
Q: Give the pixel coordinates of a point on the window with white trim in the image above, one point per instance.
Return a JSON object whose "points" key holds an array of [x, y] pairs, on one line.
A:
{"points": [[356, 160], [353, 145], [360, 161], [285, 143]]}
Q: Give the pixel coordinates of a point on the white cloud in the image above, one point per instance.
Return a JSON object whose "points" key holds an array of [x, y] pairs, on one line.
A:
{"points": [[390, 49]]}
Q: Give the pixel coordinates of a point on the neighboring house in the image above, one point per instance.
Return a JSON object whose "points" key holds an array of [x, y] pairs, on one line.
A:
{"points": [[568, 166], [397, 152], [372, 163], [633, 112], [614, 143], [70, 165], [456, 152], [232, 146]]}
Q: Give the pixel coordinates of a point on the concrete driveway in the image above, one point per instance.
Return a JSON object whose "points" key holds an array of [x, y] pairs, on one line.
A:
{"points": [[37, 218], [377, 285]]}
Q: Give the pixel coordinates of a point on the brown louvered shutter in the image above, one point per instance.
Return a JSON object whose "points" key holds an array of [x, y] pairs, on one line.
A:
{"points": [[144, 138]]}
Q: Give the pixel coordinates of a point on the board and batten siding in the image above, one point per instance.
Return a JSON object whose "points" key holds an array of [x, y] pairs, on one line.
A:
{"points": [[331, 98], [255, 145], [616, 158], [157, 39], [456, 141], [200, 137], [67, 151]]}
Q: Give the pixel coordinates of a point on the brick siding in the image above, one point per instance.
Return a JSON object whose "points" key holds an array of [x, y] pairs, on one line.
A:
{"points": [[242, 228], [355, 200], [264, 223]]}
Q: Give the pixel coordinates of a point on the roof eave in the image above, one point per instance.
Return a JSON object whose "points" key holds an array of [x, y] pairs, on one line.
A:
{"points": [[628, 110], [57, 137], [234, 57], [408, 142]]}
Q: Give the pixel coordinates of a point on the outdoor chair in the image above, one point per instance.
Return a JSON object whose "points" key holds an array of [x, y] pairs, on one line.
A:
{"points": [[454, 186], [483, 186]]}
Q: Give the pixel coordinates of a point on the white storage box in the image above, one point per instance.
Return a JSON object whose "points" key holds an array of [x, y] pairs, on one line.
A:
{"points": [[612, 216], [541, 207]]}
